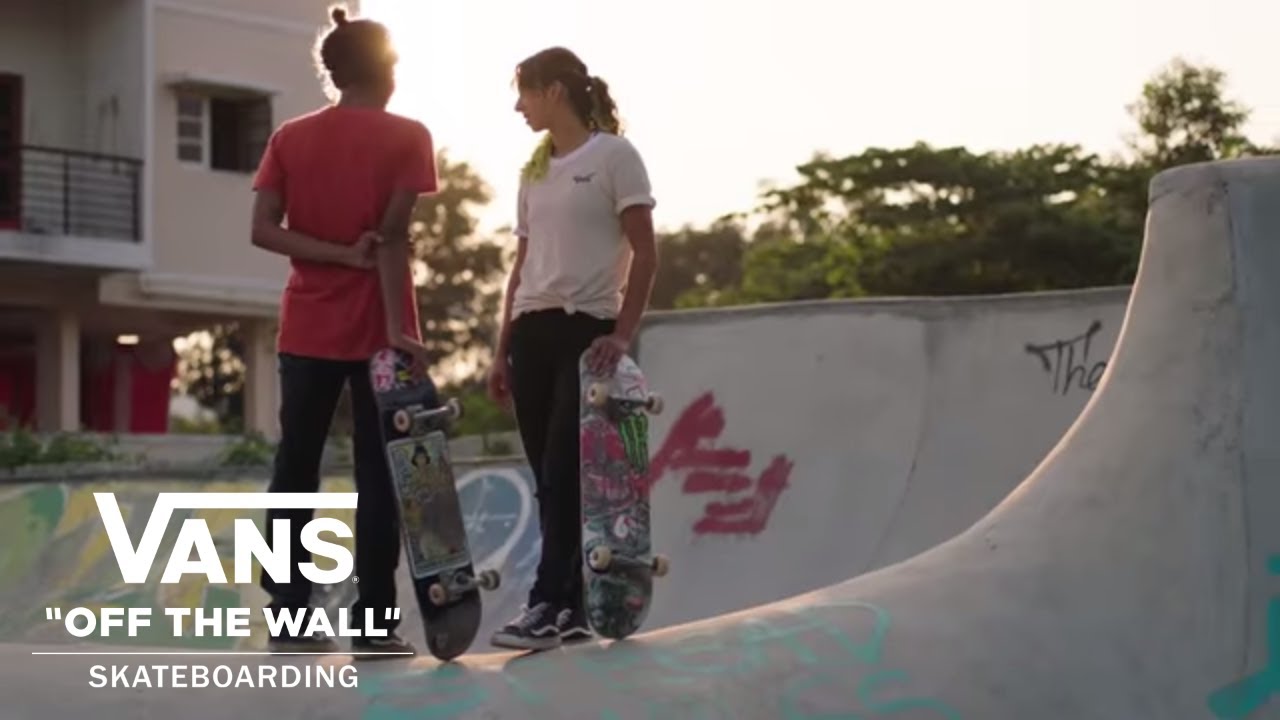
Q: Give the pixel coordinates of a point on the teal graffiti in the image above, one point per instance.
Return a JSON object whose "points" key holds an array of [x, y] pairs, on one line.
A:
{"points": [[833, 675], [796, 706], [449, 693], [1242, 698]]}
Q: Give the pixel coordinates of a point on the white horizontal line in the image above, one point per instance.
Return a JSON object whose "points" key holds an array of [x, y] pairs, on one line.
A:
{"points": [[197, 654]]}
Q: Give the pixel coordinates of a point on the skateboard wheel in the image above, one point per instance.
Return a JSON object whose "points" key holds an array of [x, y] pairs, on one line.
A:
{"points": [[489, 580], [455, 408], [597, 393], [402, 420], [660, 565], [600, 558], [437, 595], [654, 403]]}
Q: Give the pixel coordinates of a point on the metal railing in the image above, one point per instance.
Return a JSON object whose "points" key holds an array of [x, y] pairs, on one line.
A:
{"points": [[52, 191]]}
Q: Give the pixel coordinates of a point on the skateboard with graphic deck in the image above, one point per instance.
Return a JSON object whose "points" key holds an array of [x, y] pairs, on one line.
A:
{"points": [[413, 421], [613, 432]]}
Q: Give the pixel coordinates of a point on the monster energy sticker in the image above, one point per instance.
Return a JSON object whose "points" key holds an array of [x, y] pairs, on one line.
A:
{"points": [[633, 428]]}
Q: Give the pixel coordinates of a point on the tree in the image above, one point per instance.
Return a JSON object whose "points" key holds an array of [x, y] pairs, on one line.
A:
{"points": [[696, 265], [924, 220], [211, 370], [1184, 117], [947, 221], [459, 275]]}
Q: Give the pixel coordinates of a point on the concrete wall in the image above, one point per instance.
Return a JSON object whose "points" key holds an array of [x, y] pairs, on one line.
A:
{"points": [[42, 40], [113, 76], [807, 443], [201, 221], [801, 445]]}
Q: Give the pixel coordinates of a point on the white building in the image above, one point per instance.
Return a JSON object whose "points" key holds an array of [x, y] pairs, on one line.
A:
{"points": [[129, 134]]}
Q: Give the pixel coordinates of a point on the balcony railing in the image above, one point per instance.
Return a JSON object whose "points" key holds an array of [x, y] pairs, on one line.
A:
{"points": [[50, 191]]}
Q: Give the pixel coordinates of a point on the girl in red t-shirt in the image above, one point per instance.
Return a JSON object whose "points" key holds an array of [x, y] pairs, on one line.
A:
{"points": [[347, 177]]}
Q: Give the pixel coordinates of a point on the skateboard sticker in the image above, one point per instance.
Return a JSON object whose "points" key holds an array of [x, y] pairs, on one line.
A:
{"points": [[436, 538], [383, 371]]}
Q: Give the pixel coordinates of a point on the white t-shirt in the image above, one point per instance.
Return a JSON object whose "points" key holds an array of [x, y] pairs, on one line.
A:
{"points": [[577, 256]]}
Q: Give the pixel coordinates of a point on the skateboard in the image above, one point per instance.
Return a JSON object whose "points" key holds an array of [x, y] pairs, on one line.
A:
{"points": [[613, 433], [412, 421]]}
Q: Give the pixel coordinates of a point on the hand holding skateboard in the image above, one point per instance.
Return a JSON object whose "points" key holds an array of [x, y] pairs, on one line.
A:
{"points": [[603, 355]]}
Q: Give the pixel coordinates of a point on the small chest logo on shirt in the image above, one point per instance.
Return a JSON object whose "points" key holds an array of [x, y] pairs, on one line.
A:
{"points": [[579, 179]]}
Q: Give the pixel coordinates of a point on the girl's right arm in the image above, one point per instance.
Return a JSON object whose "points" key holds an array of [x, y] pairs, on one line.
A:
{"points": [[513, 283], [499, 374]]}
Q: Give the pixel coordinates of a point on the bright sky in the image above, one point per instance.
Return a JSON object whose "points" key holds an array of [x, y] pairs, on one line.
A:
{"points": [[720, 95]]}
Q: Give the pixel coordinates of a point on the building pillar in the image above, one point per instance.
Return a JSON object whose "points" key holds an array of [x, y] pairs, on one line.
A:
{"points": [[261, 381], [58, 372]]}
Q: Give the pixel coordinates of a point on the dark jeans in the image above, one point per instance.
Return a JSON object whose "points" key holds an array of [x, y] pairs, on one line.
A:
{"points": [[544, 351], [310, 388]]}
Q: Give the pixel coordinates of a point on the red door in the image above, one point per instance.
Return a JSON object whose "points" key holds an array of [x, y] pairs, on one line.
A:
{"points": [[10, 150]]}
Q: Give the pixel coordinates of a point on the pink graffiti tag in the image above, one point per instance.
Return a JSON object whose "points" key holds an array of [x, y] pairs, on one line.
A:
{"points": [[690, 448]]}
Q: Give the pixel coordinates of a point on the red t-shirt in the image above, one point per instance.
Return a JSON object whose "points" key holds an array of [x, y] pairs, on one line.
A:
{"points": [[336, 169]]}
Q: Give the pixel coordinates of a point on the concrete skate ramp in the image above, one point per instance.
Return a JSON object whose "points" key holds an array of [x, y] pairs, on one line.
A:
{"points": [[803, 444], [1132, 575], [807, 443]]}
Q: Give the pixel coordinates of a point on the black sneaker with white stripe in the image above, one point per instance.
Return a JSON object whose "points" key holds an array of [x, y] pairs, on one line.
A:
{"points": [[534, 629], [573, 625], [375, 647]]}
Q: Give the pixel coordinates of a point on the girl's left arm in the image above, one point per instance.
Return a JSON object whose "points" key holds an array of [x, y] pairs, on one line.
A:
{"points": [[637, 225]]}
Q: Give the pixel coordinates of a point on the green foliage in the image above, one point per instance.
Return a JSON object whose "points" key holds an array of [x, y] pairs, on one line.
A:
{"points": [[481, 416], [460, 288], [696, 265], [198, 426], [22, 448], [1184, 118], [249, 450]]}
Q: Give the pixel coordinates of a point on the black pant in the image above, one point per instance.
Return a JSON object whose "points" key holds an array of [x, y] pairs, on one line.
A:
{"points": [[545, 347], [310, 389]]}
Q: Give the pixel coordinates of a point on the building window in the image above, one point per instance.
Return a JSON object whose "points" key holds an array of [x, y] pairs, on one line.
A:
{"points": [[191, 125], [223, 132], [10, 150]]}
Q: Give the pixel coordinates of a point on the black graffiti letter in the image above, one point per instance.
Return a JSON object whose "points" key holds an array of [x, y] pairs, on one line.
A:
{"points": [[1078, 371]]}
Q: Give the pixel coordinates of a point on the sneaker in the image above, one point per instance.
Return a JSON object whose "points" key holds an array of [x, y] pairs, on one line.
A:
{"points": [[390, 647], [534, 629], [573, 625]]}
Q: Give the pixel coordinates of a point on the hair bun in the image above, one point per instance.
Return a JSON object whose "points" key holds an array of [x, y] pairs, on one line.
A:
{"points": [[339, 15]]}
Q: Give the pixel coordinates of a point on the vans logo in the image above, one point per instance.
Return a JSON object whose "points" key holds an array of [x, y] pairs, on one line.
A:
{"points": [[136, 562], [583, 178]]}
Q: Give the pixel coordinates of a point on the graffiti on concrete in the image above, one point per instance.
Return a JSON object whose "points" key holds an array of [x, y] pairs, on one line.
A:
{"points": [[1070, 363], [54, 552], [691, 449], [829, 661], [1241, 699]]}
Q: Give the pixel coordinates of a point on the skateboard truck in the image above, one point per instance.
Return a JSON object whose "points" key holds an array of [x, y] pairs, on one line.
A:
{"points": [[598, 396], [458, 583], [407, 417], [601, 558]]}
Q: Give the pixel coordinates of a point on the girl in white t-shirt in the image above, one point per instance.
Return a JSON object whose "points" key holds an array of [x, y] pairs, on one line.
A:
{"points": [[584, 270]]}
